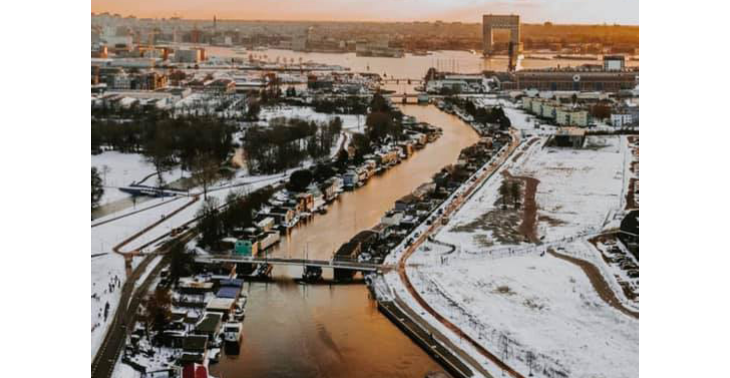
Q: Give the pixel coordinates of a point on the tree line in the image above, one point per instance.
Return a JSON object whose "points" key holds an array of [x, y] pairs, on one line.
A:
{"points": [[216, 221], [167, 142], [494, 115], [286, 142]]}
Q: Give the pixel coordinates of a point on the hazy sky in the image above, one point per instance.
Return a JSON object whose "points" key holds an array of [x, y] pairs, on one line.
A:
{"points": [[558, 11]]}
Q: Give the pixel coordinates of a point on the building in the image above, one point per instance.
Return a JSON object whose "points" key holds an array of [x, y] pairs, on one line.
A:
{"points": [[195, 349], [549, 109], [572, 137], [187, 56], [221, 86], [614, 63], [491, 22], [246, 248], [565, 116], [625, 116], [569, 80], [209, 326], [149, 81]]}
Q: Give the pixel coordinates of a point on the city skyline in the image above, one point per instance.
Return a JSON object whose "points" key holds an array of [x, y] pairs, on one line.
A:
{"points": [[624, 12]]}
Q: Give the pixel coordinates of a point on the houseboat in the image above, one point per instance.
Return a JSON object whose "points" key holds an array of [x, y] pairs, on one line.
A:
{"points": [[232, 332], [270, 238]]}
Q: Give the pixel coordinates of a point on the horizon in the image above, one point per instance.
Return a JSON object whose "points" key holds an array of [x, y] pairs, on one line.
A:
{"points": [[219, 19], [597, 12]]}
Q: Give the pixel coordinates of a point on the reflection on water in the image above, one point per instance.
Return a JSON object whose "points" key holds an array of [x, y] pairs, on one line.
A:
{"points": [[294, 330]]}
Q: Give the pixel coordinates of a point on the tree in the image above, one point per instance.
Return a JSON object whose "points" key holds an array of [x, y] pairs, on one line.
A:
{"points": [[504, 192], [380, 126], [379, 104], [530, 360], [505, 348], [600, 111], [157, 309], [514, 191], [97, 188], [362, 146], [209, 222], [300, 180], [181, 262], [159, 152], [205, 171], [254, 108]]}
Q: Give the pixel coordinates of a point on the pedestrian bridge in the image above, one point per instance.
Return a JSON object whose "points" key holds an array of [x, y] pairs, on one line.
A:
{"points": [[338, 263]]}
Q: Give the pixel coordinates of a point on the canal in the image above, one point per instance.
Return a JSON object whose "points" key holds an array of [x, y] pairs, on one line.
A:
{"points": [[294, 330]]}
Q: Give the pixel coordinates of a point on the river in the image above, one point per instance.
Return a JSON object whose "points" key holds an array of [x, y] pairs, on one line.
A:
{"points": [[409, 67], [294, 330]]}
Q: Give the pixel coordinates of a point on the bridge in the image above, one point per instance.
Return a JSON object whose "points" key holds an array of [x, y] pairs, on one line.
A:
{"points": [[339, 263]]}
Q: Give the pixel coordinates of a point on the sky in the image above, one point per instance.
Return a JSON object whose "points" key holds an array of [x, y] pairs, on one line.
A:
{"points": [[531, 11]]}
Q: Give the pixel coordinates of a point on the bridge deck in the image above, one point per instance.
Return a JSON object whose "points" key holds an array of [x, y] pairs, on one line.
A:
{"points": [[336, 264]]}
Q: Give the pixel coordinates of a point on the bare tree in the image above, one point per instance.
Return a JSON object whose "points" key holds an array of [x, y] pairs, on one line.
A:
{"points": [[530, 360], [157, 309], [205, 171], [514, 191], [505, 348], [504, 192]]}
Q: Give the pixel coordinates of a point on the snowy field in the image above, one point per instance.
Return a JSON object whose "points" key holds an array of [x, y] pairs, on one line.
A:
{"points": [[108, 267], [123, 169], [579, 190], [518, 300], [539, 304], [350, 122]]}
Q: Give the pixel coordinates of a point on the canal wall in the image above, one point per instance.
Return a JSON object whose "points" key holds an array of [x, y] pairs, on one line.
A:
{"points": [[425, 340]]}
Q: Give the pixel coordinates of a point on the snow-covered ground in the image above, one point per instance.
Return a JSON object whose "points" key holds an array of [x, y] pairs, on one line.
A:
{"points": [[350, 122], [539, 304], [108, 268], [519, 296], [578, 191], [107, 279], [122, 169]]}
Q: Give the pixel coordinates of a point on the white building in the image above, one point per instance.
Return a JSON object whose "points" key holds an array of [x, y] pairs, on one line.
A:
{"points": [[571, 117], [621, 119], [614, 62]]}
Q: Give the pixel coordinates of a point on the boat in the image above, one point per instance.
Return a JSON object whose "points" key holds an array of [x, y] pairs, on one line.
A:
{"points": [[271, 238], [232, 332], [239, 313], [214, 356]]}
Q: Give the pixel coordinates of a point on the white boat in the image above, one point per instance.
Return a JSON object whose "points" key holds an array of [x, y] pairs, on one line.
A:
{"points": [[232, 332], [240, 309]]}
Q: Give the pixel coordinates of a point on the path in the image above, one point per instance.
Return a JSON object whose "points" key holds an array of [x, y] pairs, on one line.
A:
{"points": [[105, 221], [599, 283], [452, 208]]}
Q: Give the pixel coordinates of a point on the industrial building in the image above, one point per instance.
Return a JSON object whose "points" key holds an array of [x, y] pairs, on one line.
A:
{"points": [[569, 80]]}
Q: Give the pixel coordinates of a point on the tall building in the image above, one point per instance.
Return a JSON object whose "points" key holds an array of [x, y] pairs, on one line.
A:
{"points": [[511, 23]]}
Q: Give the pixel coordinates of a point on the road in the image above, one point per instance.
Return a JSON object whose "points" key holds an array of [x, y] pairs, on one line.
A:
{"points": [[451, 209], [103, 363], [108, 353]]}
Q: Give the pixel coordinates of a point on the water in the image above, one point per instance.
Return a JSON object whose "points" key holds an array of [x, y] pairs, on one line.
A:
{"points": [[293, 330], [409, 67]]}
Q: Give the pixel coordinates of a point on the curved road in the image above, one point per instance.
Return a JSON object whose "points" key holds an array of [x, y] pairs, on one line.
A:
{"points": [[436, 225]]}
